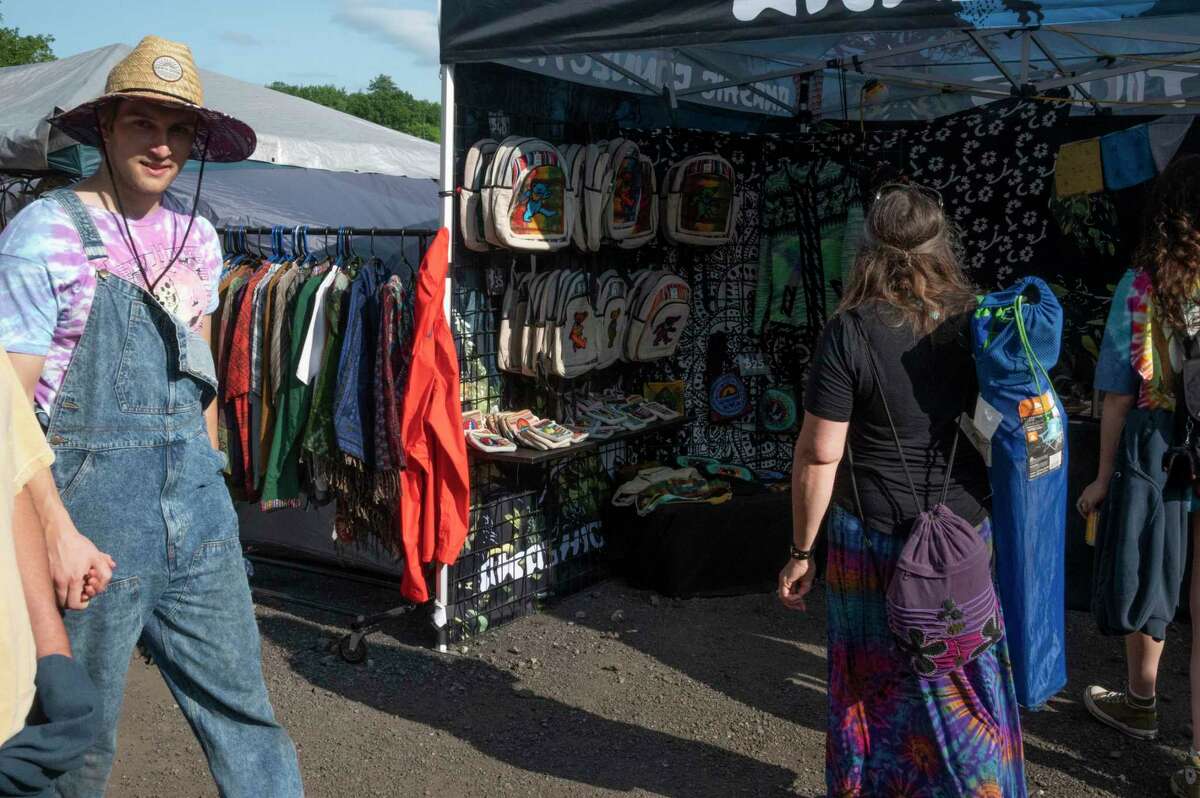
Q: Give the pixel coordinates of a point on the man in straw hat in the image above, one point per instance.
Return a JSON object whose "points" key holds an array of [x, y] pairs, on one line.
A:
{"points": [[105, 296]]}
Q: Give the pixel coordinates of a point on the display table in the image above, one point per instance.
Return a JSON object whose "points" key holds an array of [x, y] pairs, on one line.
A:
{"points": [[686, 550]]}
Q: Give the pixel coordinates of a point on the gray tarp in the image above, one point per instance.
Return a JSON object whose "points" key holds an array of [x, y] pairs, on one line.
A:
{"points": [[291, 131], [263, 195]]}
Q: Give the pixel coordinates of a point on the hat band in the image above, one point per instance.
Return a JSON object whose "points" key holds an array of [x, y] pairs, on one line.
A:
{"points": [[158, 91]]}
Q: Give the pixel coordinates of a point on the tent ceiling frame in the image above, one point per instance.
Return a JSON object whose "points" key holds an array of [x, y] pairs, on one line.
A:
{"points": [[749, 82], [1125, 69], [1158, 38], [817, 66], [635, 77], [1021, 84], [1053, 59], [986, 49]]}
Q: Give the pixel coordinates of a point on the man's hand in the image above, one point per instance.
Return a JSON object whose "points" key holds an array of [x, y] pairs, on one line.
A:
{"points": [[78, 569]]}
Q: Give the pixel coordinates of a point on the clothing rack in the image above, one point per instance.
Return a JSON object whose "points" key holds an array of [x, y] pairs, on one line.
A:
{"points": [[352, 646]]}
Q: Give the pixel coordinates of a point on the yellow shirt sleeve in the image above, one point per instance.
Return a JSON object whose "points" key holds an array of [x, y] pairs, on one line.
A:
{"points": [[27, 444]]}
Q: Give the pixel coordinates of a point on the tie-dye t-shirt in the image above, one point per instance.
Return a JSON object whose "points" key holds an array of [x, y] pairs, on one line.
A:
{"points": [[47, 284]]}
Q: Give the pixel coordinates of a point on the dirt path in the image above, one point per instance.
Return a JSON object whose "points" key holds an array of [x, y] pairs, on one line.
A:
{"points": [[611, 692]]}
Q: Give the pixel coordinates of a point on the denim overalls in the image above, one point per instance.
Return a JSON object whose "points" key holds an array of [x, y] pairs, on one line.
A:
{"points": [[139, 477]]}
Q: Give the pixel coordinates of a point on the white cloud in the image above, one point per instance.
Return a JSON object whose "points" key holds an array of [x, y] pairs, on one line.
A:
{"points": [[241, 38], [410, 29]]}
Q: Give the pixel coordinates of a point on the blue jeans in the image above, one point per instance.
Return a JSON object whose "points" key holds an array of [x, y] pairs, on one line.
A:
{"points": [[137, 473]]}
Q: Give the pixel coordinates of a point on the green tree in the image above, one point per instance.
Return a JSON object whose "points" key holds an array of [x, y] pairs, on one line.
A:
{"points": [[383, 103], [17, 49]]}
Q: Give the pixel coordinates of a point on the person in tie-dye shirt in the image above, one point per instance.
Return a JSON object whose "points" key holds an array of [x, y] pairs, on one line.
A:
{"points": [[1142, 538], [105, 296], [46, 281]]}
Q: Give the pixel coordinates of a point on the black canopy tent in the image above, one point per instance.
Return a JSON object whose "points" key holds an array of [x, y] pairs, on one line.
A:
{"points": [[937, 57]]}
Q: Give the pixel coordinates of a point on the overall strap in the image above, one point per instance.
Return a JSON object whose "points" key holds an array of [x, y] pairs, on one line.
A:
{"points": [[93, 245]]}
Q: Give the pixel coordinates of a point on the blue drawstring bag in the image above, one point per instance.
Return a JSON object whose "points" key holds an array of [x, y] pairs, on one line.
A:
{"points": [[1017, 335]]}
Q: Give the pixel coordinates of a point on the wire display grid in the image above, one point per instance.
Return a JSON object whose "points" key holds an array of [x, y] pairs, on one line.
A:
{"points": [[537, 533]]}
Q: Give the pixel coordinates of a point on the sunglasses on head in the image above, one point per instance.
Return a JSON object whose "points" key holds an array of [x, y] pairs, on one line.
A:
{"points": [[931, 193]]}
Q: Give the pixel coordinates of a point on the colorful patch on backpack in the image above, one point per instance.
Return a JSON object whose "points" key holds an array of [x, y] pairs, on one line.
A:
{"points": [[579, 331], [614, 327], [628, 192], [645, 212], [707, 194], [539, 206], [666, 329]]}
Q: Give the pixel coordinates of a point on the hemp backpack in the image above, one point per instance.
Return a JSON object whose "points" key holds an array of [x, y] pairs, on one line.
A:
{"points": [[700, 204], [527, 193], [470, 200]]}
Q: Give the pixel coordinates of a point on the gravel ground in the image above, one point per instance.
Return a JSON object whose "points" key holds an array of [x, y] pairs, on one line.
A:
{"points": [[613, 691]]}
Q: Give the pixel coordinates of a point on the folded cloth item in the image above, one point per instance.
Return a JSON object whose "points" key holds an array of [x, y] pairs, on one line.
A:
{"points": [[625, 495], [661, 411], [62, 727], [596, 429], [693, 488], [479, 436], [1079, 170], [1128, 160], [550, 432], [488, 441]]}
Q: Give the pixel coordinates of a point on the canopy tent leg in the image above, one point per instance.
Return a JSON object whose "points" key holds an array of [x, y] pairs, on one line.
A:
{"points": [[442, 592]]}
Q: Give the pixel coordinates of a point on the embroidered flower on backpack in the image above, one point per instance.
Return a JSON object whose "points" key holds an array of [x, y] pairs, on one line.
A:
{"points": [[952, 616]]}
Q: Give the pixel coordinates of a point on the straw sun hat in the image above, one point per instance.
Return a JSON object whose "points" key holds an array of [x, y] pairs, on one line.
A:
{"points": [[163, 72]]}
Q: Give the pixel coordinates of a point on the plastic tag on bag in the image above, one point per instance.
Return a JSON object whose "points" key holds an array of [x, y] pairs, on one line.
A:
{"points": [[987, 418], [981, 444], [1043, 427]]}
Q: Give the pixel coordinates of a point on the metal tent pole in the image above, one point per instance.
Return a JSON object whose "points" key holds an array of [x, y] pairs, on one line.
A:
{"points": [[442, 593]]}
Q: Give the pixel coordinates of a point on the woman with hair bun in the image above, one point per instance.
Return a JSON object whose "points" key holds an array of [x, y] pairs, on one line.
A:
{"points": [[907, 306]]}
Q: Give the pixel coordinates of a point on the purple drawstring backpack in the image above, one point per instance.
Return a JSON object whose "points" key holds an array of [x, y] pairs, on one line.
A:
{"points": [[941, 602]]}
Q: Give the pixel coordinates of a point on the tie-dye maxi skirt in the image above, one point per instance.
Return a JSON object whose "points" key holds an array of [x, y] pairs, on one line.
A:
{"points": [[890, 732]]}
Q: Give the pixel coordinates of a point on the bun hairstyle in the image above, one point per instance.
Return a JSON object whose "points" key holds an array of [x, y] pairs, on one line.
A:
{"points": [[909, 260]]}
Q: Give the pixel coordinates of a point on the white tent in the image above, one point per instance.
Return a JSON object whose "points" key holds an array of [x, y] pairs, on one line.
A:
{"points": [[291, 131]]}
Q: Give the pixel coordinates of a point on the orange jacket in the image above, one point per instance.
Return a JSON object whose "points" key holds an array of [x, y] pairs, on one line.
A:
{"points": [[435, 486]]}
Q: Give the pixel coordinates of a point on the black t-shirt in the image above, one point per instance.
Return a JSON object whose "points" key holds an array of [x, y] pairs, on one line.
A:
{"points": [[929, 382]]}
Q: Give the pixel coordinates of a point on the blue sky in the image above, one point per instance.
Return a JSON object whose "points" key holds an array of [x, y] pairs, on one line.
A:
{"points": [[343, 42]]}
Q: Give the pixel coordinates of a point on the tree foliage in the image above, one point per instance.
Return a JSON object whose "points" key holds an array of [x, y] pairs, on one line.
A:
{"points": [[17, 49], [383, 103]]}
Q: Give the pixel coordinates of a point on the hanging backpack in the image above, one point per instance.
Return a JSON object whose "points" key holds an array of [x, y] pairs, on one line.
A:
{"points": [[535, 324], [645, 229], [612, 318], [513, 311], [532, 210], [470, 201], [597, 191], [487, 191], [637, 289], [942, 606], [658, 318], [575, 158], [700, 203], [623, 177], [573, 334]]}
